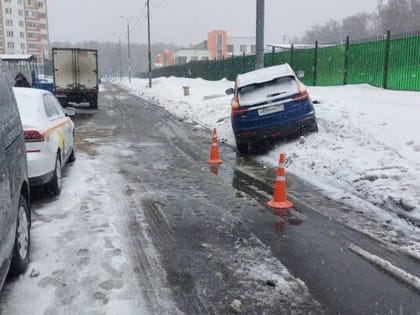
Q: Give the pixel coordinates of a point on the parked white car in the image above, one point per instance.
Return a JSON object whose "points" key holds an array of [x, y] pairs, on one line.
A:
{"points": [[49, 136]]}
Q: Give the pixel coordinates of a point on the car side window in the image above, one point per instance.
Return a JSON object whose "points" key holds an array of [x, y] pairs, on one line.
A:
{"points": [[57, 105], [50, 108]]}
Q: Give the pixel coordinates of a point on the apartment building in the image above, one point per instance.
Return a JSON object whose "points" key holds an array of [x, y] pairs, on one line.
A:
{"points": [[24, 28]]}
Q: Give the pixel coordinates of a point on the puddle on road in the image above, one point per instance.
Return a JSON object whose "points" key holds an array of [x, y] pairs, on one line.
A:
{"points": [[311, 247], [86, 138]]}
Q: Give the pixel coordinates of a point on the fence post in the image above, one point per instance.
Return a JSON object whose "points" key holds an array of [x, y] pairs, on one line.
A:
{"points": [[232, 67], [243, 62], [386, 58], [346, 60], [315, 63], [292, 50], [273, 50]]}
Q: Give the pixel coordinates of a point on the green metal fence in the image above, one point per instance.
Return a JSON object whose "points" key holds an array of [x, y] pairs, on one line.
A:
{"points": [[391, 62]]}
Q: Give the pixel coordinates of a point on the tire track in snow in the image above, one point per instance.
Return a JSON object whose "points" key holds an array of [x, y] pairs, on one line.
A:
{"points": [[144, 258]]}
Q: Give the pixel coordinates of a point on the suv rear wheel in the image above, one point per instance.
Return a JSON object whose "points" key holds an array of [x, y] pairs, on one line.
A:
{"points": [[243, 147], [21, 249]]}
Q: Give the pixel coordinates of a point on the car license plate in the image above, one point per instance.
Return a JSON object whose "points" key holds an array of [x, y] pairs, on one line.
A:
{"points": [[271, 109]]}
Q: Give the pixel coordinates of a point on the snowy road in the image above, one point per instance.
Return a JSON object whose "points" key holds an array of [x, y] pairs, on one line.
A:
{"points": [[144, 227]]}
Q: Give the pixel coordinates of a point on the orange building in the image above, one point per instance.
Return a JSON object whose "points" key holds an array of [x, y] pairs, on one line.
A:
{"points": [[169, 58], [217, 44], [165, 59]]}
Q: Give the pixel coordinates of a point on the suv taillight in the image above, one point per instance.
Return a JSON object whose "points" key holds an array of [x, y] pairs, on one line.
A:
{"points": [[235, 108], [303, 93], [33, 136], [240, 111]]}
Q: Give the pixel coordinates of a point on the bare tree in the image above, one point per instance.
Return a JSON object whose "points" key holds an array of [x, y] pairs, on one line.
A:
{"points": [[328, 33], [415, 15], [395, 16], [358, 26]]}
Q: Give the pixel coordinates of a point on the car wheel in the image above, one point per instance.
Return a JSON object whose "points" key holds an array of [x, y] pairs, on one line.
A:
{"points": [[21, 249], [72, 156], [54, 186], [305, 130]]}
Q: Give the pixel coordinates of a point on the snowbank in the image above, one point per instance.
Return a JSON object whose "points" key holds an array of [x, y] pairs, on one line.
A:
{"points": [[368, 145]]}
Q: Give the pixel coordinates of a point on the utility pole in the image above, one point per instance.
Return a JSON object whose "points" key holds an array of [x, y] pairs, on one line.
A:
{"points": [[129, 53], [148, 43], [128, 48], [259, 62], [119, 57]]}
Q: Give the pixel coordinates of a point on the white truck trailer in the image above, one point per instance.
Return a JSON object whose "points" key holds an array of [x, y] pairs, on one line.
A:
{"points": [[76, 75]]}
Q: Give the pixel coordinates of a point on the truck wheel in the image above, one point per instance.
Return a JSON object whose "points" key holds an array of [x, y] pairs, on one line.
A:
{"points": [[93, 103], [63, 101], [21, 249]]}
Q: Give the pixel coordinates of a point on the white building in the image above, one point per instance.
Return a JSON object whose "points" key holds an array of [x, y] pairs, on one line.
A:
{"points": [[24, 28], [240, 45], [184, 56]]}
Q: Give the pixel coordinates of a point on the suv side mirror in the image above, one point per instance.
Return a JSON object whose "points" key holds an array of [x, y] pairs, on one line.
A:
{"points": [[300, 74], [230, 91]]}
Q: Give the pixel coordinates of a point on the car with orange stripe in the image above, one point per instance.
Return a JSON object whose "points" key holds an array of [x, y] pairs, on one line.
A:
{"points": [[49, 136]]}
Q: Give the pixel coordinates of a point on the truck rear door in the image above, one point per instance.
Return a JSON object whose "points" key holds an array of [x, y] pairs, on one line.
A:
{"points": [[87, 69], [64, 74]]}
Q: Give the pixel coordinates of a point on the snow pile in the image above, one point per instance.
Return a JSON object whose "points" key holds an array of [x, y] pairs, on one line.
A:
{"points": [[78, 263], [368, 145]]}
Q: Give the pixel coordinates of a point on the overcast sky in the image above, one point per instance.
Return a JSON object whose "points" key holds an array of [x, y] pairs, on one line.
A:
{"points": [[184, 22]]}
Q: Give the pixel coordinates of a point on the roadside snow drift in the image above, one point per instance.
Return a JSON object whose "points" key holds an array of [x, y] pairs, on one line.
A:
{"points": [[366, 153]]}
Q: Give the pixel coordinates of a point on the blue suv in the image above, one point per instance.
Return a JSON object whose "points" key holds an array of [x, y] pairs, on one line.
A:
{"points": [[270, 104]]}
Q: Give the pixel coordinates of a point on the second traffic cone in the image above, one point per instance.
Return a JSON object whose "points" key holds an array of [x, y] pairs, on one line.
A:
{"points": [[279, 201], [214, 150]]}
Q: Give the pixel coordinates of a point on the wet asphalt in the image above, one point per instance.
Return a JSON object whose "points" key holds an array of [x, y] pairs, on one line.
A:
{"points": [[197, 218]]}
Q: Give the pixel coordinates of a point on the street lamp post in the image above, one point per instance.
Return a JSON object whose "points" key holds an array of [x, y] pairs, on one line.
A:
{"points": [[120, 71], [128, 47], [149, 54]]}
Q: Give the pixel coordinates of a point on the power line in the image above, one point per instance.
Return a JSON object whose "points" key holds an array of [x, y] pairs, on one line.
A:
{"points": [[158, 5], [142, 17]]}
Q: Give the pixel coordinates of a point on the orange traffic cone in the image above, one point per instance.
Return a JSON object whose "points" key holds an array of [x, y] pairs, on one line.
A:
{"points": [[279, 201], [214, 151]]}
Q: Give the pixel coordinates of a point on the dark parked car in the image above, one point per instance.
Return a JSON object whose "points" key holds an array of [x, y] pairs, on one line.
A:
{"points": [[269, 104], [15, 217]]}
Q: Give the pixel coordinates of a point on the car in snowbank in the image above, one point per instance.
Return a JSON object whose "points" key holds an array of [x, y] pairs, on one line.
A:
{"points": [[268, 104], [15, 216], [49, 136]]}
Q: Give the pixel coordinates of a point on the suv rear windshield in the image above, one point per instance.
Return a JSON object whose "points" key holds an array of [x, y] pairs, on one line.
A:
{"points": [[260, 92]]}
